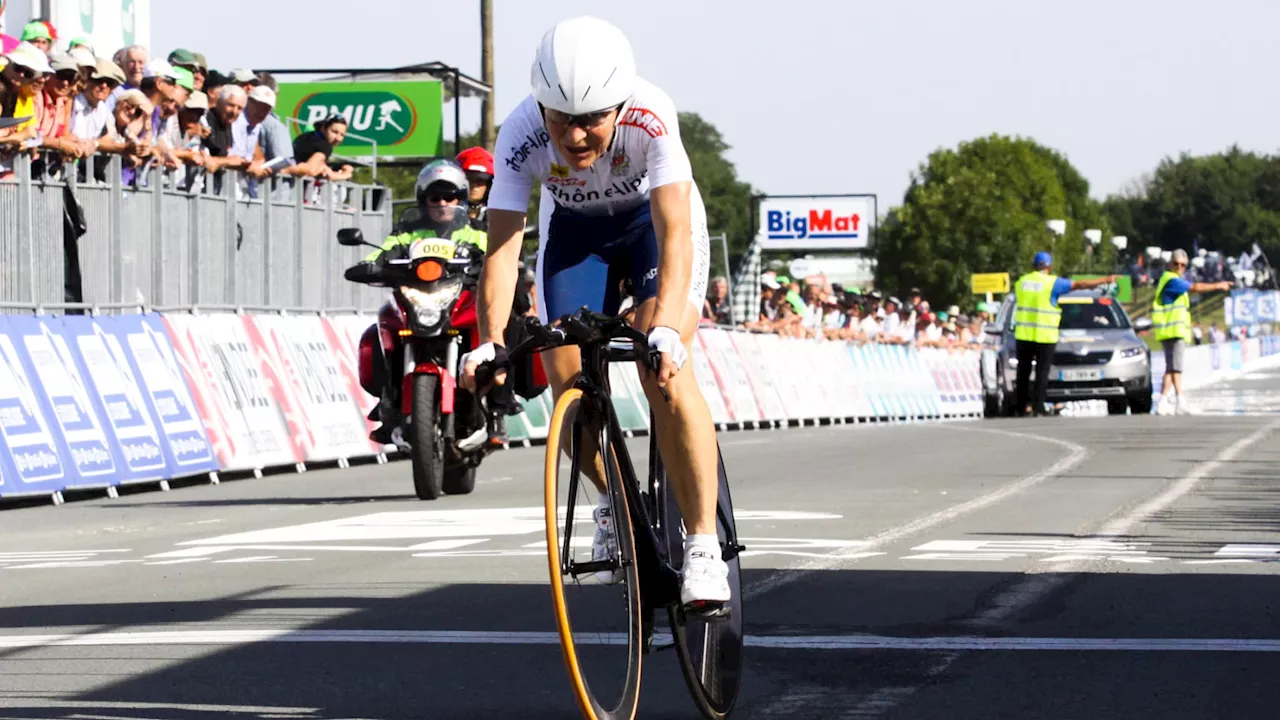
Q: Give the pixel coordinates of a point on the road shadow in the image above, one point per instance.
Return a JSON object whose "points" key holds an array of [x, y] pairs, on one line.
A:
{"points": [[394, 679]]}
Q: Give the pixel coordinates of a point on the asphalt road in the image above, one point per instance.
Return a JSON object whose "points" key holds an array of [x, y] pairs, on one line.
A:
{"points": [[1072, 567]]}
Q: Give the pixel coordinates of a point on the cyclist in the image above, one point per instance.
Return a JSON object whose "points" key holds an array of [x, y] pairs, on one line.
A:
{"points": [[442, 191], [618, 201], [478, 164]]}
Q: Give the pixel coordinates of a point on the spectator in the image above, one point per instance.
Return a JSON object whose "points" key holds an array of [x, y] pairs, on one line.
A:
{"points": [[90, 112], [891, 316], [221, 139], [246, 79], [313, 149], [869, 325], [266, 79], [716, 307], [125, 135], [191, 150], [168, 133], [55, 114], [914, 298], [21, 85], [159, 79], [134, 64], [192, 63], [82, 42], [275, 156], [85, 63], [37, 33]]}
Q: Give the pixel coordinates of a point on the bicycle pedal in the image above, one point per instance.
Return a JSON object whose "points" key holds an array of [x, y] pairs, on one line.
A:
{"points": [[708, 610]]}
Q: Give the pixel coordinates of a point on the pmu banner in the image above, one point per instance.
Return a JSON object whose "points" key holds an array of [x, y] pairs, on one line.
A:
{"points": [[91, 455], [322, 415], [237, 405]]}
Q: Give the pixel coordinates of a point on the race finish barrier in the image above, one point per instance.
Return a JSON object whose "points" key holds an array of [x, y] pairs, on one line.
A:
{"points": [[96, 402]]}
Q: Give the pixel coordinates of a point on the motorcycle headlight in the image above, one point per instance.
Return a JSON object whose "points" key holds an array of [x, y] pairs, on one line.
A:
{"points": [[429, 304], [1130, 353]]}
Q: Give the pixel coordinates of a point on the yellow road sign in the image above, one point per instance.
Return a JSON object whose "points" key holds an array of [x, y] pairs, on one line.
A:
{"points": [[984, 283]]}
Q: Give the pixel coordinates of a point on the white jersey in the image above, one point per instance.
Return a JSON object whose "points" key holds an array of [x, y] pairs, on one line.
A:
{"points": [[645, 153]]}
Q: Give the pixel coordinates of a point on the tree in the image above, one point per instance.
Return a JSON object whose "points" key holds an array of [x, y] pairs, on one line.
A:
{"points": [[727, 199], [1226, 201], [982, 208]]}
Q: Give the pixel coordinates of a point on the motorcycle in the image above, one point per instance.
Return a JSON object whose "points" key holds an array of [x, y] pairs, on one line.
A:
{"points": [[416, 344]]}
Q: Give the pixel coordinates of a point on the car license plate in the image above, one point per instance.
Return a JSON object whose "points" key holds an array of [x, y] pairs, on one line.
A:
{"points": [[1079, 375]]}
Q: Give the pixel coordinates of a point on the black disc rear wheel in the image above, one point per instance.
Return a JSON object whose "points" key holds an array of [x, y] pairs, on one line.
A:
{"points": [[710, 650]]}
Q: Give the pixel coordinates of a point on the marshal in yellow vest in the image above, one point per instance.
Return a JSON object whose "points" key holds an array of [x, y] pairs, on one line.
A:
{"points": [[1035, 318], [1171, 321]]}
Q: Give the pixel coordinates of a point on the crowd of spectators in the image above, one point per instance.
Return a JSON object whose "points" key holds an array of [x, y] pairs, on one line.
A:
{"points": [[815, 308], [173, 113]]}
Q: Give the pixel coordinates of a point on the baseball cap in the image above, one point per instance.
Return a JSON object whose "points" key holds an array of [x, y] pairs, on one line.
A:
{"points": [[914, 291], [63, 61], [29, 56], [184, 78], [201, 62], [159, 69], [36, 31], [83, 56], [943, 316], [197, 101], [104, 69], [264, 95], [183, 56], [784, 280], [241, 76], [1042, 259], [770, 283], [82, 42], [895, 301], [953, 310]]}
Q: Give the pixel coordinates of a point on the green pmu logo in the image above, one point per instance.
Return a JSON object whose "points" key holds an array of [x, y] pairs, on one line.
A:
{"points": [[384, 117]]}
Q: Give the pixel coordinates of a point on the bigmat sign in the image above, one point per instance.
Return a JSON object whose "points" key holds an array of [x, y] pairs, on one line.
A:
{"points": [[816, 222]]}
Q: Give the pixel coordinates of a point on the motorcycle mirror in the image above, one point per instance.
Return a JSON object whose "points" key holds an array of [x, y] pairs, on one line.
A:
{"points": [[351, 237]]}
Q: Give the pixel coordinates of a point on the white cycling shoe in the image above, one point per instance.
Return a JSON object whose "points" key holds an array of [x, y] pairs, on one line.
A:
{"points": [[605, 545], [704, 582]]}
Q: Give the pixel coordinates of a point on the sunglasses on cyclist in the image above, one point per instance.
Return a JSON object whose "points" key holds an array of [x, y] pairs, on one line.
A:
{"points": [[586, 121]]}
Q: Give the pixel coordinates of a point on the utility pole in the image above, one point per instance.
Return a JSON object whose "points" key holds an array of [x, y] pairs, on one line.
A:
{"points": [[486, 69]]}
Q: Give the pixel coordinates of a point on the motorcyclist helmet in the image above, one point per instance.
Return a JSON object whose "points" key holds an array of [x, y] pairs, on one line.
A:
{"points": [[443, 192]]}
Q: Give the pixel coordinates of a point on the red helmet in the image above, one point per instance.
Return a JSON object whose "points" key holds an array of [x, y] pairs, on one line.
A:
{"points": [[476, 160]]}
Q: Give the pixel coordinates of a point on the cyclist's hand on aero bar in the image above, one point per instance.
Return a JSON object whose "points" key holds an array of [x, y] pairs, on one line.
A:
{"points": [[484, 366], [667, 342]]}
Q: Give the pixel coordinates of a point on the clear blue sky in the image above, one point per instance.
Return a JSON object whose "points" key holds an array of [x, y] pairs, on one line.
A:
{"points": [[843, 96]]}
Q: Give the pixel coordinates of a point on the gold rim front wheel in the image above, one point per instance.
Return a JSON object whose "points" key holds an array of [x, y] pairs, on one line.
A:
{"points": [[596, 602]]}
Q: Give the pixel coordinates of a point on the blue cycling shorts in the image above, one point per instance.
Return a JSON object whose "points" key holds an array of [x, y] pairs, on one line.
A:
{"points": [[583, 260]]}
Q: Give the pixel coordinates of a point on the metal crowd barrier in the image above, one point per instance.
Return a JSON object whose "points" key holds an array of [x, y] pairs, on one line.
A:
{"points": [[163, 241]]}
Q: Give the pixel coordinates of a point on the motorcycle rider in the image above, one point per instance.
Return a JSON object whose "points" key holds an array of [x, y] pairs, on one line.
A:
{"points": [[478, 165], [443, 194]]}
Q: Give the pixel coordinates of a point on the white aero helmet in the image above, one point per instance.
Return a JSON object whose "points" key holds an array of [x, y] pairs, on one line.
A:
{"points": [[584, 65]]}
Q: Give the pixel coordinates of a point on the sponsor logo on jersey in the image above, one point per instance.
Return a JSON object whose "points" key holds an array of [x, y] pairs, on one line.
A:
{"points": [[619, 164], [518, 154], [559, 171], [646, 120]]}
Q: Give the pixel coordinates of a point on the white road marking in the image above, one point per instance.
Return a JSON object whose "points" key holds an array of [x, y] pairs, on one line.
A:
{"points": [[836, 560], [1046, 578], [179, 561], [1251, 551], [70, 564], [771, 642]]}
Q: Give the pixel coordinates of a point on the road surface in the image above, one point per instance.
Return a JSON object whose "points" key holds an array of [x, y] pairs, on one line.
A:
{"points": [[1072, 567]]}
